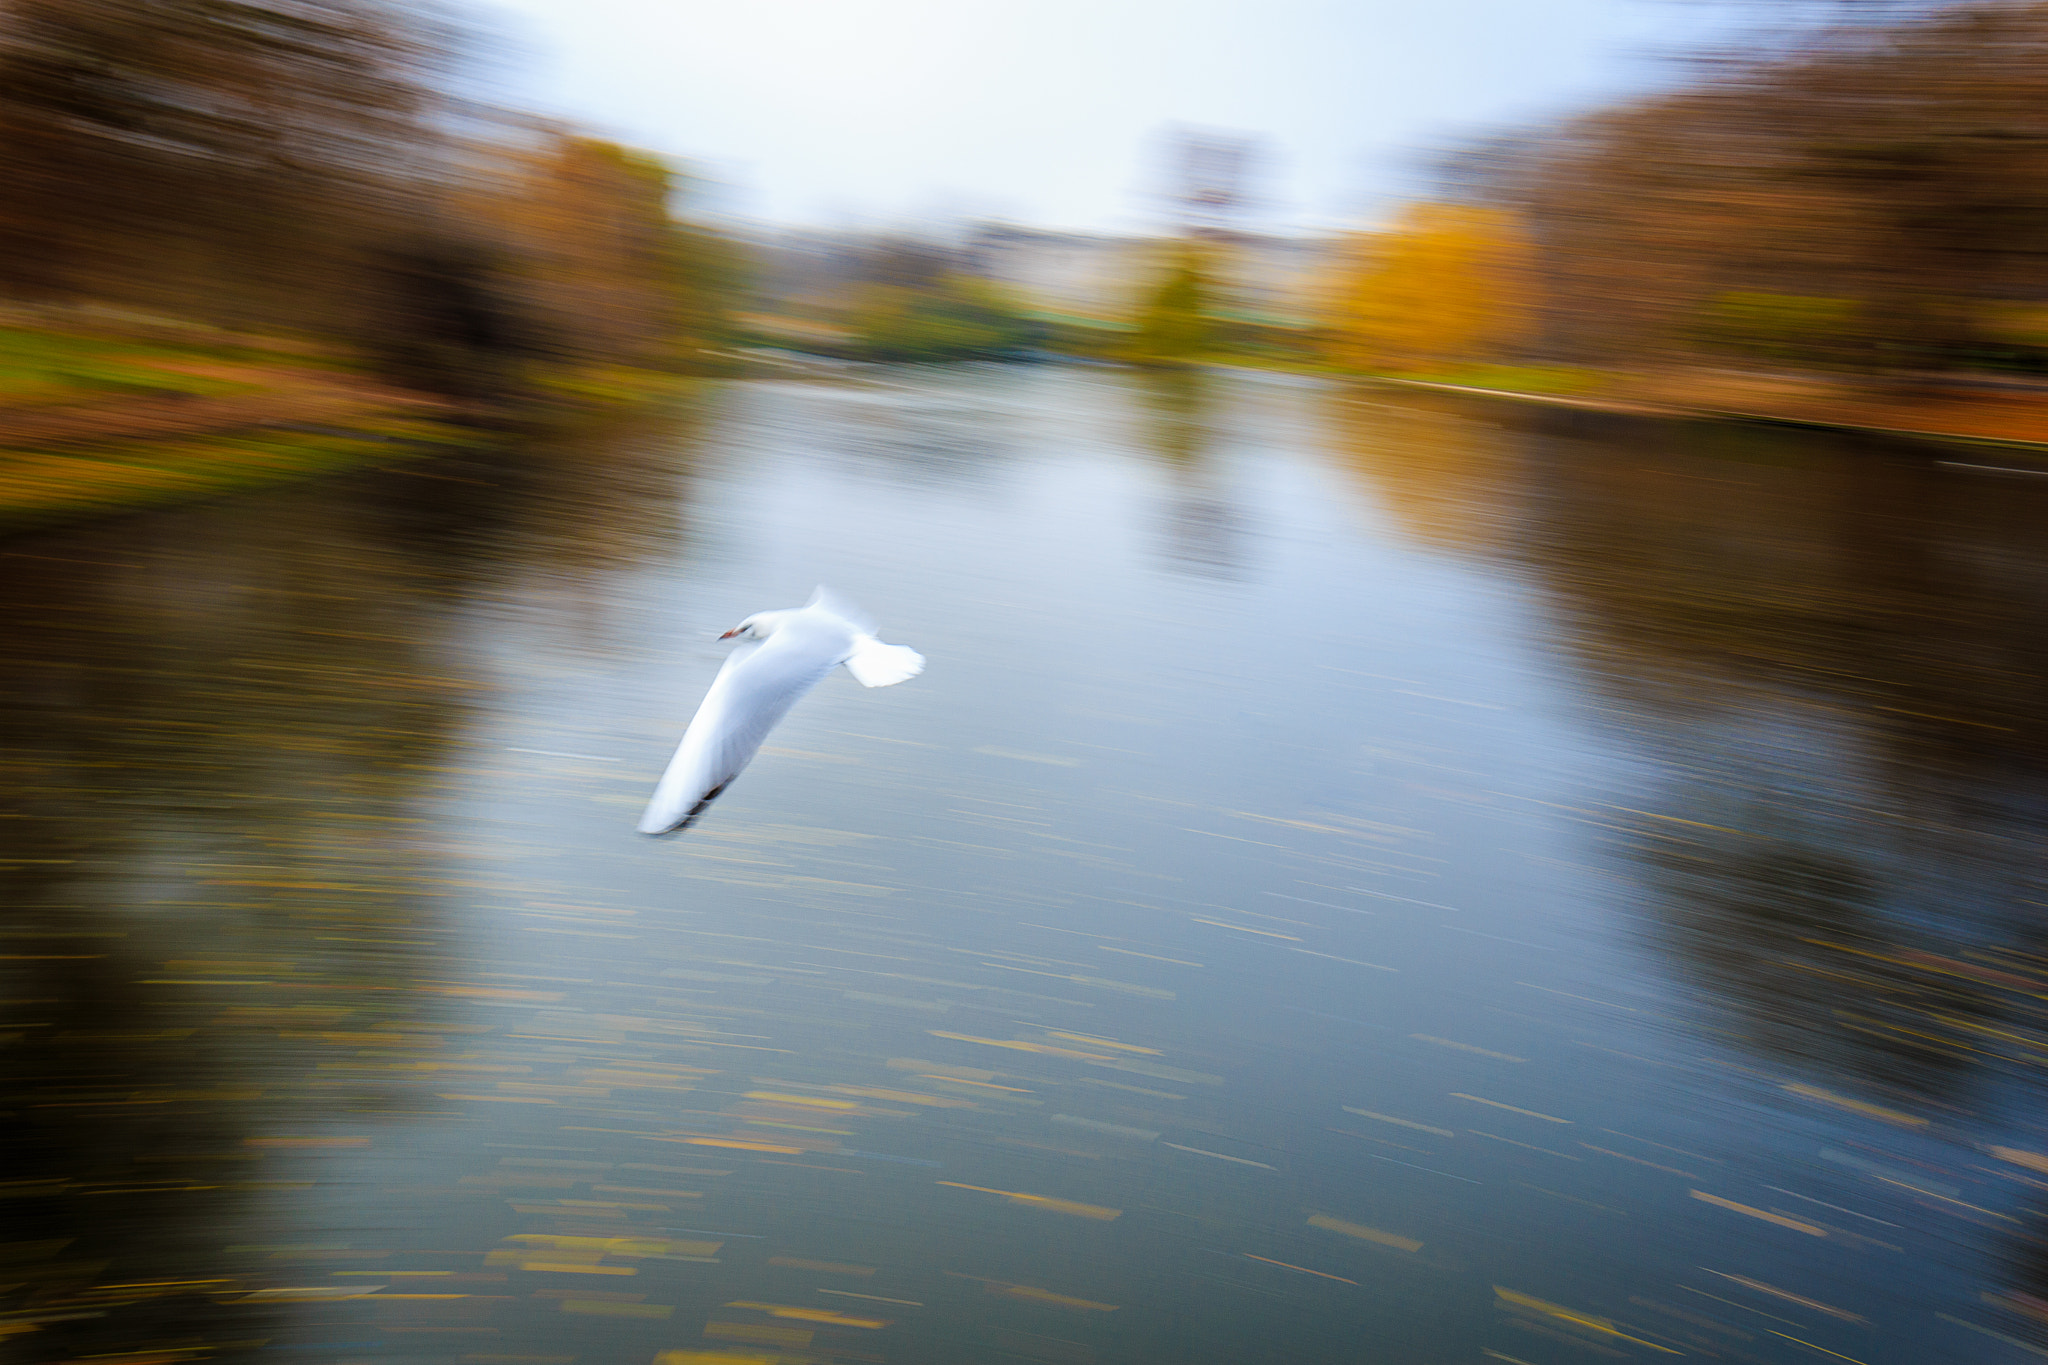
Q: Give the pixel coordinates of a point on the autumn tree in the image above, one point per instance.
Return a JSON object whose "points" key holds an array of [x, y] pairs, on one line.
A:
{"points": [[155, 148], [302, 165], [1448, 282], [1889, 178], [1174, 326], [585, 227]]}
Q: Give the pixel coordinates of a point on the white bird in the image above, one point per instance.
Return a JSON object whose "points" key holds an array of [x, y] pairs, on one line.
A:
{"points": [[784, 654]]}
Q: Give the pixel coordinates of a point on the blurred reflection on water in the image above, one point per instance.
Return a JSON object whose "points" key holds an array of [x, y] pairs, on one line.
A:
{"points": [[1364, 876], [1838, 671], [1204, 526], [222, 727]]}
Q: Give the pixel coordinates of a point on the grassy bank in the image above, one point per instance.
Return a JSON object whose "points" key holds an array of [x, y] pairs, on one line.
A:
{"points": [[1944, 409], [96, 420]]}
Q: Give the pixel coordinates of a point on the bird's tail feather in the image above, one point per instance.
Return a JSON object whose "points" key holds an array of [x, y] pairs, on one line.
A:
{"points": [[874, 664]]}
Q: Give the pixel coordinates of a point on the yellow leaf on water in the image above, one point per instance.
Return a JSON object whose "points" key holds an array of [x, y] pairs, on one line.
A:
{"points": [[799, 1314], [1529, 1303], [2033, 1161], [1780, 1219], [608, 1309], [1363, 1233], [800, 1099], [769, 1336], [1041, 1201], [1876, 1111]]}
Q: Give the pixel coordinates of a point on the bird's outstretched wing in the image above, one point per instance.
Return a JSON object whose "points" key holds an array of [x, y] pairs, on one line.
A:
{"points": [[843, 608], [750, 695]]}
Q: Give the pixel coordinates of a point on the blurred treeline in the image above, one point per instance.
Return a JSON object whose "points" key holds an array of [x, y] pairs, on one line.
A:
{"points": [[887, 296], [946, 295], [310, 168], [1870, 196]]}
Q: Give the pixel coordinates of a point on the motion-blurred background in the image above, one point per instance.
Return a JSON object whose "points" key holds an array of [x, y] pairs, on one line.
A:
{"points": [[1812, 211], [1478, 794]]}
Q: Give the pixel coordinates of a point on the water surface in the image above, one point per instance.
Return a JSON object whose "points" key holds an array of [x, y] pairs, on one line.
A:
{"points": [[1363, 877]]}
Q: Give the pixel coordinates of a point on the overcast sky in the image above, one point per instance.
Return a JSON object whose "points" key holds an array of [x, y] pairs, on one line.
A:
{"points": [[1052, 112]]}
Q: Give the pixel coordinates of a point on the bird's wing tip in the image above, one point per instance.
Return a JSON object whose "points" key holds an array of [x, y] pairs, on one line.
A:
{"points": [[657, 825]]}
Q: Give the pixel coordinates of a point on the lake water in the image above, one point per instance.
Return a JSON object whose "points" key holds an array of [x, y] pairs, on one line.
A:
{"points": [[1364, 877]]}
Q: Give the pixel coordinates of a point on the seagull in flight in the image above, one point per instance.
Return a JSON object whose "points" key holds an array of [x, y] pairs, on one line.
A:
{"points": [[782, 655]]}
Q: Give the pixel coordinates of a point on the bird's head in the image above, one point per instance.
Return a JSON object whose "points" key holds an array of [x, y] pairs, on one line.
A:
{"points": [[759, 626]]}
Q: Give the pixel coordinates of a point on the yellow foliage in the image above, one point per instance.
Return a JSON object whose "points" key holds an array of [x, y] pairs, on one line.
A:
{"points": [[1448, 282]]}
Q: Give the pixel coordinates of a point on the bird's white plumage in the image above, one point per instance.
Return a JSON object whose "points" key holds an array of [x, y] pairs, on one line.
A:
{"points": [[875, 664], [756, 688]]}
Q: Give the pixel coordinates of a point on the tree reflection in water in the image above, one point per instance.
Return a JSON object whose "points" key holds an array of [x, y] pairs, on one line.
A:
{"points": [[223, 952], [1831, 655], [1204, 526], [1824, 660], [1442, 468]]}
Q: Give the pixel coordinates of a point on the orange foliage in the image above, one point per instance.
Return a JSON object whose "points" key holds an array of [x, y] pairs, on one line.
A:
{"points": [[1447, 282]]}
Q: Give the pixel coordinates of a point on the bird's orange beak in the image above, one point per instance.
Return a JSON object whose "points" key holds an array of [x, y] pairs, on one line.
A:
{"points": [[728, 635]]}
